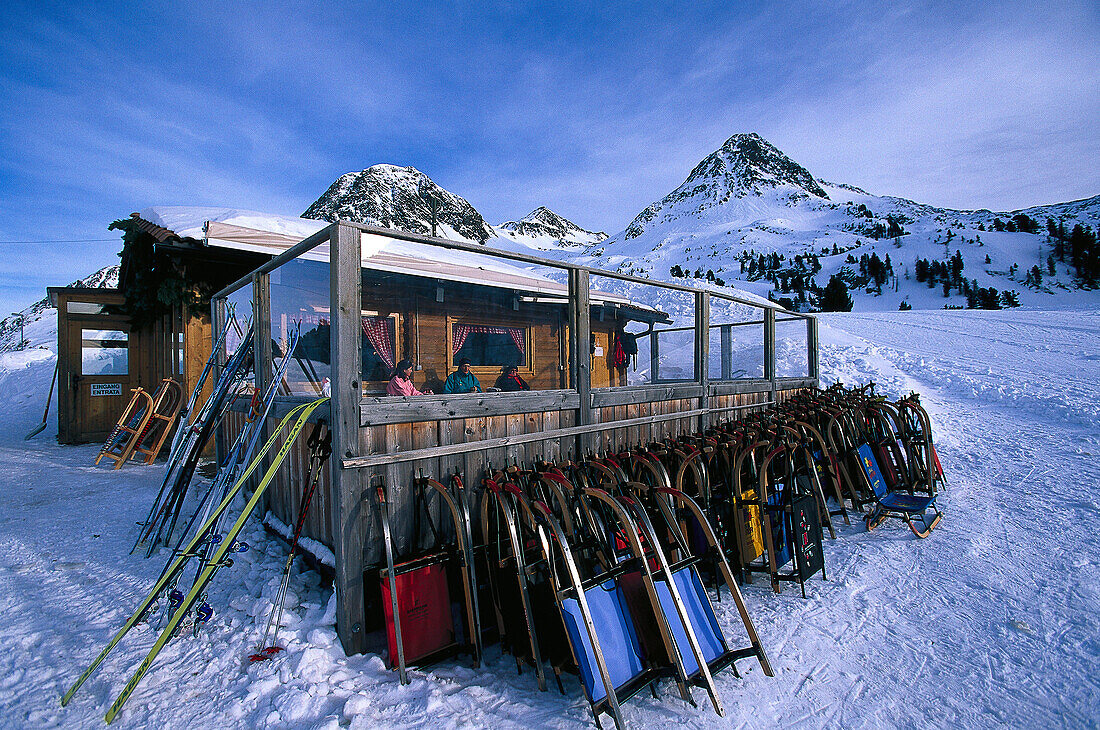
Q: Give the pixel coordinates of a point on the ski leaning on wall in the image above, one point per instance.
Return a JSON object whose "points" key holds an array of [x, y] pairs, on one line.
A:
{"points": [[166, 507], [295, 421]]}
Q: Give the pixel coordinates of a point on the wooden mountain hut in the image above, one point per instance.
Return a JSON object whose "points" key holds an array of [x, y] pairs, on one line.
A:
{"points": [[361, 298]]}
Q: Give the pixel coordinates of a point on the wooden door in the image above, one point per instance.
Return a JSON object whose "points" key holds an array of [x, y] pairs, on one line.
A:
{"points": [[601, 351], [99, 369]]}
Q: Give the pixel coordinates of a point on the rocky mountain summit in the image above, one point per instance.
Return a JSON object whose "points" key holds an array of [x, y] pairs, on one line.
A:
{"points": [[400, 197], [747, 165], [545, 223]]}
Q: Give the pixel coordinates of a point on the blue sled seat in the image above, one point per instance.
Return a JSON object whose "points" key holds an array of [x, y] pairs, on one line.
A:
{"points": [[700, 614], [615, 632], [906, 502]]}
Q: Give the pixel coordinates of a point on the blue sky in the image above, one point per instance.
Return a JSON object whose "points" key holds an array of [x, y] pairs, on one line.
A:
{"points": [[593, 109]]}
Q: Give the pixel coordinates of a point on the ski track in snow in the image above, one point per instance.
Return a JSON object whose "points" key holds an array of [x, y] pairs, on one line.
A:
{"points": [[989, 622]]}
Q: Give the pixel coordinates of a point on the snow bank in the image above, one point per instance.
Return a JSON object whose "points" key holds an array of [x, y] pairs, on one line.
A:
{"points": [[989, 622]]}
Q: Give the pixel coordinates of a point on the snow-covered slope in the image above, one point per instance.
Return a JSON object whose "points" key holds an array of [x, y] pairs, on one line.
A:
{"points": [[543, 229], [400, 197], [748, 199], [988, 623]]}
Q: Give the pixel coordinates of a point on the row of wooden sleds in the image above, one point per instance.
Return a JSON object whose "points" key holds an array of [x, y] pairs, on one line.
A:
{"points": [[144, 426], [606, 567]]}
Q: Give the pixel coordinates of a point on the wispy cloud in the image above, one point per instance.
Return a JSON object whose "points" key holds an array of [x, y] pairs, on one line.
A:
{"points": [[594, 110]]}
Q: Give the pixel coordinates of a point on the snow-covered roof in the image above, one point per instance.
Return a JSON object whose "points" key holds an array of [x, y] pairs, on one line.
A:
{"points": [[190, 222], [264, 233]]}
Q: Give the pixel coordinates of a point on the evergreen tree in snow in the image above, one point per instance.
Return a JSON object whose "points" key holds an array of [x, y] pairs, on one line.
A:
{"points": [[835, 297]]}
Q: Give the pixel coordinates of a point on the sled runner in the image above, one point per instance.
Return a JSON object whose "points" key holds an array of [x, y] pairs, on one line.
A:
{"points": [[458, 549], [601, 631], [917, 435], [667, 502], [506, 573], [791, 526], [416, 592]]}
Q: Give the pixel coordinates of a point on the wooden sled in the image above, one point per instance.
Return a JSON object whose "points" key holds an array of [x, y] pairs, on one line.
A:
{"points": [[166, 407], [126, 433], [906, 507]]}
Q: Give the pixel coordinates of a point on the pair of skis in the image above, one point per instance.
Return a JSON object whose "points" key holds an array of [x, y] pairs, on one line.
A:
{"points": [[296, 420], [243, 447], [181, 466], [320, 447]]}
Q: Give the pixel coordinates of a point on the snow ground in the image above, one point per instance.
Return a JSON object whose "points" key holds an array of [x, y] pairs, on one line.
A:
{"points": [[989, 622]]}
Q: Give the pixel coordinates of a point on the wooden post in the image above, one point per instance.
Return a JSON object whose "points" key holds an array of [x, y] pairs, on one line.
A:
{"points": [[261, 313], [769, 347], [262, 371], [217, 323], [580, 321], [811, 347], [702, 352], [347, 495], [727, 351], [654, 357]]}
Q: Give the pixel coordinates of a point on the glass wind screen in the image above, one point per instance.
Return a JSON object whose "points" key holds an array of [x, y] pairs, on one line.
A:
{"points": [[300, 308], [736, 341], [474, 307], [641, 333], [791, 348]]}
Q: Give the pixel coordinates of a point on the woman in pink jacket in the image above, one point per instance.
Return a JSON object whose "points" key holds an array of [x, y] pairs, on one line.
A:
{"points": [[401, 382]]}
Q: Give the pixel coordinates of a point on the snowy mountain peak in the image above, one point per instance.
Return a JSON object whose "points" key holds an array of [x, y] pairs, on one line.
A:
{"points": [[400, 197], [542, 214], [746, 168], [545, 223], [746, 163]]}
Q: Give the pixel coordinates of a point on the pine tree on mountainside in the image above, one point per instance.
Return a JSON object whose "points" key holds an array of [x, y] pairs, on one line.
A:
{"points": [[1036, 276], [1024, 223], [835, 297], [956, 268]]}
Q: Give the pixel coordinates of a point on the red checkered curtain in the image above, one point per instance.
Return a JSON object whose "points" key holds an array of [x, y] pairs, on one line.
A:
{"points": [[380, 334], [462, 331], [458, 337], [517, 337]]}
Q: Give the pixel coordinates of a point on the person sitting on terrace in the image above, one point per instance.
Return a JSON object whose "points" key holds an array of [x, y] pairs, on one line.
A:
{"points": [[462, 380], [401, 382], [510, 381]]}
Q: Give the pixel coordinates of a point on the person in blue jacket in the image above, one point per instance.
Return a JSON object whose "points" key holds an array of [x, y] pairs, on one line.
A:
{"points": [[462, 380]]}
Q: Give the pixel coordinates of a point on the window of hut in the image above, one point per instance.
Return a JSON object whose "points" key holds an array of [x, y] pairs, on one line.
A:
{"points": [[379, 345], [104, 352], [489, 346]]}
